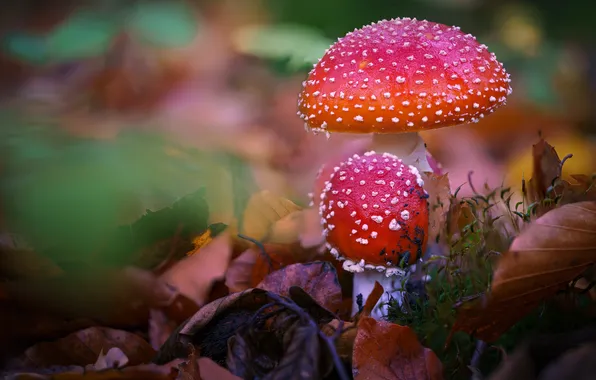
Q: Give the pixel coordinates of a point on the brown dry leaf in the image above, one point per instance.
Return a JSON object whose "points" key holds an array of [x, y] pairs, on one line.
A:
{"points": [[114, 358], [372, 300], [21, 263], [239, 273], [581, 188], [220, 319], [194, 276], [84, 347], [439, 195], [311, 234], [140, 372], [189, 370], [278, 256], [262, 211], [114, 297], [546, 167], [318, 279], [458, 216], [345, 342], [384, 350], [210, 370], [302, 226], [160, 328], [542, 260]]}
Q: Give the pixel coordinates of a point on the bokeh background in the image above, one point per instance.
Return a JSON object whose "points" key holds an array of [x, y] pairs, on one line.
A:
{"points": [[114, 107]]}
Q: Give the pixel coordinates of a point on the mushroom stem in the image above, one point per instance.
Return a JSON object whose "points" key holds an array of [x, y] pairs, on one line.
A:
{"points": [[364, 283], [409, 147]]}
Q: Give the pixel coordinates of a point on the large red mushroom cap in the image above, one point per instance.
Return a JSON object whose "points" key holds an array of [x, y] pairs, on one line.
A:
{"points": [[374, 211], [402, 75]]}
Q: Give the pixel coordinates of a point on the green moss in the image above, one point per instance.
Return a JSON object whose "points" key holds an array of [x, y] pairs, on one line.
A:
{"points": [[466, 272]]}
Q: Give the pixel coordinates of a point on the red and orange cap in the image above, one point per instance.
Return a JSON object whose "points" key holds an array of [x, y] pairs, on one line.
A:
{"points": [[402, 75]]}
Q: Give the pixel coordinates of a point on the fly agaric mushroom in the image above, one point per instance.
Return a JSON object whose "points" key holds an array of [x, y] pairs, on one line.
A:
{"points": [[397, 77], [375, 213]]}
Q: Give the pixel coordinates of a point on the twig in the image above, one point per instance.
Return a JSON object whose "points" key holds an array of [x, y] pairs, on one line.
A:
{"points": [[478, 351], [261, 249], [565, 159], [470, 182]]}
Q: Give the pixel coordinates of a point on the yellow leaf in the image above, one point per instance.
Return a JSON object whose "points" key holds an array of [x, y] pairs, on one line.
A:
{"points": [[263, 210]]}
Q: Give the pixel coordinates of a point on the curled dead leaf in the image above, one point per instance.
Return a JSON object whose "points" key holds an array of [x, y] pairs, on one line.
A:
{"points": [[211, 326], [277, 256], [263, 210], [318, 279], [84, 347], [194, 275], [543, 259], [302, 226], [239, 273], [384, 350], [115, 297], [439, 195], [372, 300]]}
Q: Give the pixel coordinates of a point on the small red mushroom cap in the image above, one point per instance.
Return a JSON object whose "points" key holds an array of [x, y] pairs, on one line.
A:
{"points": [[374, 210], [402, 75]]}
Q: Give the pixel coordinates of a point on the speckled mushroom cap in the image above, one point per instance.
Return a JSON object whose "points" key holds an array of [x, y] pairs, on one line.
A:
{"points": [[402, 75], [374, 210]]}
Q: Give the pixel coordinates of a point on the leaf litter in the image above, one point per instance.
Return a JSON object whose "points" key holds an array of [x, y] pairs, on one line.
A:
{"points": [[231, 282]]}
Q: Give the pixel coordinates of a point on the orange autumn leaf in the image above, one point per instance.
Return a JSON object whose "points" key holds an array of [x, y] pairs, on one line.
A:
{"points": [[542, 260], [263, 210], [384, 350], [439, 195], [546, 167]]}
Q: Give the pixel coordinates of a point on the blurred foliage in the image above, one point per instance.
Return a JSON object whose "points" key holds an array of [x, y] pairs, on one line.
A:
{"points": [[91, 30], [336, 17], [163, 24], [61, 190], [298, 46]]}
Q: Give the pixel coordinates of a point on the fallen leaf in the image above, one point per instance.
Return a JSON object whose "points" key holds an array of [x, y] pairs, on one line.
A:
{"points": [[277, 256], [344, 344], [311, 234], [318, 279], [140, 372], [211, 327], [287, 346], [239, 273], [84, 347], [16, 264], [550, 356], [372, 300], [114, 358], [263, 210], [384, 350], [193, 276], [113, 297], [543, 259], [439, 195], [210, 370], [302, 226], [189, 370], [546, 168], [160, 328], [580, 188]]}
